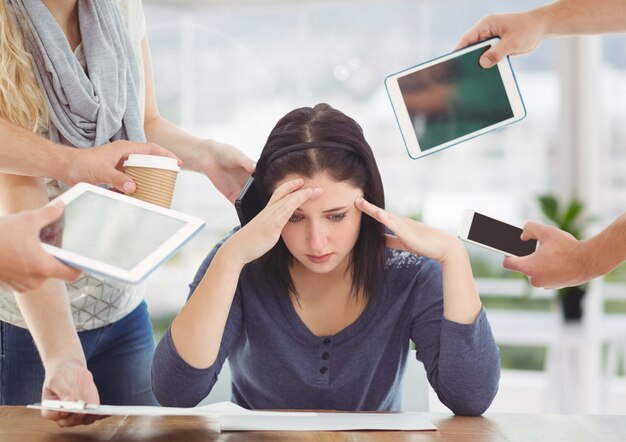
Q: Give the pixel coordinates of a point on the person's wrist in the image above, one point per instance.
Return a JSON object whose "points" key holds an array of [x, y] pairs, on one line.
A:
{"points": [[65, 360], [543, 18], [230, 254], [63, 348], [64, 163], [579, 257], [591, 259], [200, 156], [454, 252]]}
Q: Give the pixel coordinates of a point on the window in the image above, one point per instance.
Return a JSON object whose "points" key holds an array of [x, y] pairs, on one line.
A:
{"points": [[230, 72]]}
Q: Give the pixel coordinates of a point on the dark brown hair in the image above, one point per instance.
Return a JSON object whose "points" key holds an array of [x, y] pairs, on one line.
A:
{"points": [[354, 164]]}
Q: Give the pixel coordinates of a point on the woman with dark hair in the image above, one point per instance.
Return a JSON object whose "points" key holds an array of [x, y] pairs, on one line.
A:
{"points": [[315, 305]]}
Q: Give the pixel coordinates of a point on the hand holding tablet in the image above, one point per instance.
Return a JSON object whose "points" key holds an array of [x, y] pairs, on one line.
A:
{"points": [[452, 99], [114, 235]]}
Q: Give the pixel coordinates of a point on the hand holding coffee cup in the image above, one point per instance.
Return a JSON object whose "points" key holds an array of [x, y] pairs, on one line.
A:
{"points": [[154, 176]]}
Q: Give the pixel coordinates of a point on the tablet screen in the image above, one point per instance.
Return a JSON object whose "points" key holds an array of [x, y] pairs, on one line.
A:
{"points": [[114, 232], [454, 98]]}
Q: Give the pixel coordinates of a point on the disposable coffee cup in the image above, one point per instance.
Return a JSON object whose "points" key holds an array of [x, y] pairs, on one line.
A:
{"points": [[154, 176]]}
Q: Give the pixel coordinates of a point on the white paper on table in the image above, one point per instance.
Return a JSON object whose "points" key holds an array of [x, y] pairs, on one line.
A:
{"points": [[232, 417], [292, 421], [127, 410]]}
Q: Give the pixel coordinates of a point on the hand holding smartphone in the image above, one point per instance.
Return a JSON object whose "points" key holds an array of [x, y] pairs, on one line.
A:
{"points": [[494, 235]]}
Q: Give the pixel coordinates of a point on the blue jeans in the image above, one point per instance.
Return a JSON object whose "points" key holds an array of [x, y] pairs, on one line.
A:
{"points": [[118, 356]]}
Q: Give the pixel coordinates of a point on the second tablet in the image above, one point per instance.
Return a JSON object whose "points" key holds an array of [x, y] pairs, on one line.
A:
{"points": [[452, 98]]}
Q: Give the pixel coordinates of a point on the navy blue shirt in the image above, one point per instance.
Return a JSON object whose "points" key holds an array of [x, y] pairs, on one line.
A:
{"points": [[278, 363]]}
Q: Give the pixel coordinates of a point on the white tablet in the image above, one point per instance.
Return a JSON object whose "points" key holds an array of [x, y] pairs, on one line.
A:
{"points": [[451, 99], [114, 235]]}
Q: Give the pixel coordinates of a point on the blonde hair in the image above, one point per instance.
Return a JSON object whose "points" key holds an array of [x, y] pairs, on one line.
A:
{"points": [[21, 100]]}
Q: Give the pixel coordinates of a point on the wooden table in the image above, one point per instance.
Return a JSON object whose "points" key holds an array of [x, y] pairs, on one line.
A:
{"points": [[18, 424]]}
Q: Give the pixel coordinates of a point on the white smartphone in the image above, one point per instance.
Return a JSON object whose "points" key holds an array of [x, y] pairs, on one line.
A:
{"points": [[494, 235], [452, 99]]}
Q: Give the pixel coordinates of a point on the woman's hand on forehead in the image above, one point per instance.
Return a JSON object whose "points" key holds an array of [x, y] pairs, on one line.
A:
{"points": [[262, 233]]}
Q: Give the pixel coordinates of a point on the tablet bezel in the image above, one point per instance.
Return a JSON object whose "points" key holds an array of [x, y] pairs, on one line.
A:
{"points": [[149, 263], [403, 118]]}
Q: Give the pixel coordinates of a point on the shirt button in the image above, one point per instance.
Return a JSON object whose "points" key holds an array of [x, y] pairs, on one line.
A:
{"points": [[323, 370], [326, 341], [325, 355]]}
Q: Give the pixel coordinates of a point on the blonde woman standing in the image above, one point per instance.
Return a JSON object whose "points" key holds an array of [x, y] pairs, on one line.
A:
{"points": [[78, 73]]}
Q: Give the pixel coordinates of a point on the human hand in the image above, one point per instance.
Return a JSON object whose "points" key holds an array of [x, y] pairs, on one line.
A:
{"points": [[24, 264], [104, 164], [69, 380], [226, 166], [559, 261], [412, 236], [259, 235], [519, 33]]}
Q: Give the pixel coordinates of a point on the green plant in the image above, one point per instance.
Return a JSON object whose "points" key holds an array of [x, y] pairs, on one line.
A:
{"points": [[568, 217]]}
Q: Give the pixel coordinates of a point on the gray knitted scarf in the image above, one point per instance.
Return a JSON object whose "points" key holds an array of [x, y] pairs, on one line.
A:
{"points": [[87, 108]]}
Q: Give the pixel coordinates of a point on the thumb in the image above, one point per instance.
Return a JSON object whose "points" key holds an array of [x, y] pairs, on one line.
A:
{"points": [[121, 182], [63, 272], [492, 57], [533, 230], [497, 52], [513, 263], [249, 165], [57, 388], [49, 213]]}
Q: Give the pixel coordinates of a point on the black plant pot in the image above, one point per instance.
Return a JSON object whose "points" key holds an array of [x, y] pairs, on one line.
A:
{"points": [[571, 301]]}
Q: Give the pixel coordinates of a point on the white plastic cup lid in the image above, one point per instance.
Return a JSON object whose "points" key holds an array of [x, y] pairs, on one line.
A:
{"points": [[152, 161]]}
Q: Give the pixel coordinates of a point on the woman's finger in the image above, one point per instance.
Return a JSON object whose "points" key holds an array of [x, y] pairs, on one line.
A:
{"points": [[75, 419], [405, 231], [53, 415], [380, 215], [285, 189], [288, 205], [369, 208]]}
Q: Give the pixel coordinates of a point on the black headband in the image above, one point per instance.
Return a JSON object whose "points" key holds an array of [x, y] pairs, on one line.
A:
{"points": [[248, 203], [303, 146]]}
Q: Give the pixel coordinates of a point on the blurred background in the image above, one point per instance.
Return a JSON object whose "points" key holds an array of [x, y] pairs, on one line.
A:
{"points": [[229, 69]]}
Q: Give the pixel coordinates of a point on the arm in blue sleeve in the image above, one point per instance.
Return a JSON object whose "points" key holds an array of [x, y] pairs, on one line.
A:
{"points": [[175, 383], [462, 361]]}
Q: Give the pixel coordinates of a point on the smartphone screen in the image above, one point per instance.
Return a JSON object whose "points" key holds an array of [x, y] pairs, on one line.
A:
{"points": [[499, 235]]}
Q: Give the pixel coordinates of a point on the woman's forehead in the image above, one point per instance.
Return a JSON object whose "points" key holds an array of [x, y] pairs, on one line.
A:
{"points": [[335, 194], [323, 180]]}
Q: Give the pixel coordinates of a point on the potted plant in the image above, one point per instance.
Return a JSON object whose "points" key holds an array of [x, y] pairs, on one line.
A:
{"points": [[569, 218]]}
